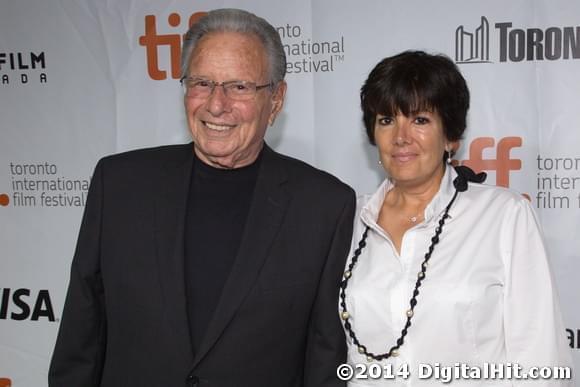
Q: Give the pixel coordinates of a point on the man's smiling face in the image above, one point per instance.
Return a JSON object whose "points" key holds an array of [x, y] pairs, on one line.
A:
{"points": [[229, 133]]}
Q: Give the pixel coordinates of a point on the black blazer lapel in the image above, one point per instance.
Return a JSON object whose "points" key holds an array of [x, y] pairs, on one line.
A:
{"points": [[264, 219], [170, 214]]}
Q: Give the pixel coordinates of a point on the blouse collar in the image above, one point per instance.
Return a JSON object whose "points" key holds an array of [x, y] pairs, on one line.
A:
{"points": [[370, 211]]}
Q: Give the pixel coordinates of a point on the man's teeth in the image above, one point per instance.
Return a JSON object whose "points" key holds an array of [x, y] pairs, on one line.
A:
{"points": [[217, 127]]}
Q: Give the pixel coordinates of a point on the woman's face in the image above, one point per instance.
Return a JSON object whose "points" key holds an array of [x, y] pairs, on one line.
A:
{"points": [[411, 148]]}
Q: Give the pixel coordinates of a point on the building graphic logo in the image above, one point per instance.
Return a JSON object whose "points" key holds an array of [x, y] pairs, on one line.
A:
{"points": [[472, 47], [515, 44]]}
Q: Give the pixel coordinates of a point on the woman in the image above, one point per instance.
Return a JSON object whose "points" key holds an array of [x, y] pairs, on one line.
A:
{"points": [[443, 270]]}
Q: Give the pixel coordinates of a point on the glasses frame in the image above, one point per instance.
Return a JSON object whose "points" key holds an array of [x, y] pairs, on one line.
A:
{"points": [[250, 85]]}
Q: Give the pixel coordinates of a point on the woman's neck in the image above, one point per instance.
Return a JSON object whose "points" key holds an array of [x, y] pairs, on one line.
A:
{"points": [[414, 197]]}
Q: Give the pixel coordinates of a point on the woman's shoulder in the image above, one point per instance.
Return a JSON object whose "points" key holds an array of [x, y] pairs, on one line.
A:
{"points": [[502, 193], [496, 197]]}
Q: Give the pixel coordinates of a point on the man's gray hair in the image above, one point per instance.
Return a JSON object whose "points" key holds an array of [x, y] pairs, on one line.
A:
{"points": [[237, 20]]}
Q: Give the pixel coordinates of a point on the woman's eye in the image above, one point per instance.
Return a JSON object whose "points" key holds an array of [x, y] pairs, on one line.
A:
{"points": [[384, 120], [421, 120]]}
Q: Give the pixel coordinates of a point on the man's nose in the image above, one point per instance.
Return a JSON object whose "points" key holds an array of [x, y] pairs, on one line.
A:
{"points": [[218, 102]]}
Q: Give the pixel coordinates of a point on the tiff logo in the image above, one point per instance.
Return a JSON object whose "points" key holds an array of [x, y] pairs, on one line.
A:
{"points": [[5, 382], [502, 164], [472, 47], [152, 41]]}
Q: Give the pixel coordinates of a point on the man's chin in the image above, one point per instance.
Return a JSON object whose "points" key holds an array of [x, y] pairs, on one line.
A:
{"points": [[218, 158]]}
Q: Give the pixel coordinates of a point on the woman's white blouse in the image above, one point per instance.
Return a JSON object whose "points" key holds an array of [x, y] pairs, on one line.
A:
{"points": [[487, 297]]}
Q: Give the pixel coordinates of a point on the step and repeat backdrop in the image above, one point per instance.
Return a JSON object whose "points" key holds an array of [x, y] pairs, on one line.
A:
{"points": [[80, 79]]}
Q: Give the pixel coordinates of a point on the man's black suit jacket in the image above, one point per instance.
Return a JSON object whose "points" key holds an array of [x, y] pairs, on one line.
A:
{"points": [[125, 321]]}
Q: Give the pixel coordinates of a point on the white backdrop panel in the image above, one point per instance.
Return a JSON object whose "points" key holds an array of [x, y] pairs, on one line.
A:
{"points": [[80, 79]]}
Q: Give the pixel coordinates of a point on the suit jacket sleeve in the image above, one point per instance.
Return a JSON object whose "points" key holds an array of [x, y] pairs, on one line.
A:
{"points": [[80, 347], [326, 346]]}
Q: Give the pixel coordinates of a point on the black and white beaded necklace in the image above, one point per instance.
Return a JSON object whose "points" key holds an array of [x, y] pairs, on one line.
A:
{"points": [[464, 175]]}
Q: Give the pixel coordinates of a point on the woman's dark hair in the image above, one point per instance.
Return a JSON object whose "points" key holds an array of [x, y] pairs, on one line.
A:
{"points": [[415, 81]]}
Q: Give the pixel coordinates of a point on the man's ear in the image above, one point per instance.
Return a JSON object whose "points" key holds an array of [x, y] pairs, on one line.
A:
{"points": [[277, 101]]}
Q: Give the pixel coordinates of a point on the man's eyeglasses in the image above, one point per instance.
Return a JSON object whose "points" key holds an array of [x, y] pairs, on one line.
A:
{"points": [[235, 90]]}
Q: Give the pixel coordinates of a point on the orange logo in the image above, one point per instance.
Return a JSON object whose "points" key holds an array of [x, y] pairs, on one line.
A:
{"points": [[151, 40], [5, 382], [502, 164], [4, 201]]}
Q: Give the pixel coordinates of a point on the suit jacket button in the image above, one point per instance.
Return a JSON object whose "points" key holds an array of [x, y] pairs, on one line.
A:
{"points": [[192, 380]]}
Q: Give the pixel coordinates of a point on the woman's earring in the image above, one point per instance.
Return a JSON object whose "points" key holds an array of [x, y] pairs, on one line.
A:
{"points": [[380, 162], [449, 155]]}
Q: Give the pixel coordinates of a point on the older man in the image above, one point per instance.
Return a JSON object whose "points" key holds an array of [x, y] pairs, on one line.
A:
{"points": [[213, 264]]}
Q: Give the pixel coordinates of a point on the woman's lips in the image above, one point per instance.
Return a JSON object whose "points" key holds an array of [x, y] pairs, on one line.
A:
{"points": [[404, 156]]}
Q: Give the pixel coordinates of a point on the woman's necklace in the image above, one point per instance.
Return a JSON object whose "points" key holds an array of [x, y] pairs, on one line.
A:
{"points": [[464, 175], [414, 219]]}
